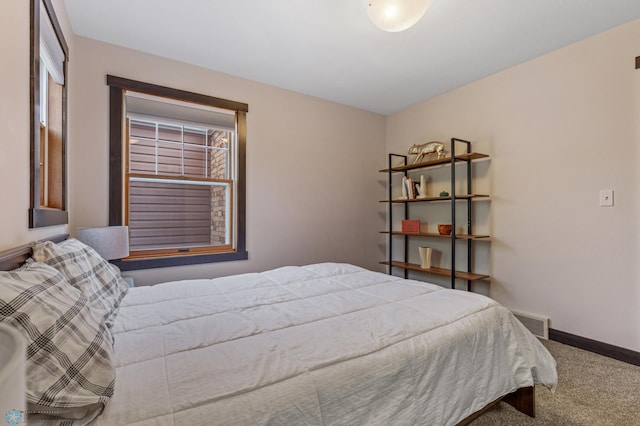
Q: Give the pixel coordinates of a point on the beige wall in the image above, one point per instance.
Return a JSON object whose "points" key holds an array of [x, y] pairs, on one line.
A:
{"points": [[311, 164], [558, 128], [14, 122]]}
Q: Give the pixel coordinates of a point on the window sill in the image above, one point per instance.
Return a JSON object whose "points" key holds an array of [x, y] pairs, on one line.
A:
{"points": [[164, 262], [42, 216]]}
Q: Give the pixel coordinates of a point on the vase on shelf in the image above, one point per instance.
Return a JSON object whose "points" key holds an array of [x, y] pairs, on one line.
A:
{"points": [[404, 195], [422, 188], [425, 257]]}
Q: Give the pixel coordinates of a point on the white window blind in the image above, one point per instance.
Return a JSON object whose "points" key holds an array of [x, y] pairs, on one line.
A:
{"points": [[51, 53]]}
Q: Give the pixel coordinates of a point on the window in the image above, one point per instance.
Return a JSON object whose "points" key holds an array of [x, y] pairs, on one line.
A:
{"points": [[176, 174], [48, 118], [180, 180]]}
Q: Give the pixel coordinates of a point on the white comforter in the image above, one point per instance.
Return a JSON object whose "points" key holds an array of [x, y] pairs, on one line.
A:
{"points": [[325, 344]]}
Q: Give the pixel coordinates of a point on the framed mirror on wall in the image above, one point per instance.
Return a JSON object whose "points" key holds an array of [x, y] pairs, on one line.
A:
{"points": [[48, 112]]}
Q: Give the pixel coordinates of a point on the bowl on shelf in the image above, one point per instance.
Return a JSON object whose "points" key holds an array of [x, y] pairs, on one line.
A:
{"points": [[444, 229]]}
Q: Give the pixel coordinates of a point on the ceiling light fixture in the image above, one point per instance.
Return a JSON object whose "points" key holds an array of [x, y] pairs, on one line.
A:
{"points": [[396, 15]]}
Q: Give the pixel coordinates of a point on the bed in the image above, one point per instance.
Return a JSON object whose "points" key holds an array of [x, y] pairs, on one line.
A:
{"points": [[325, 344]]}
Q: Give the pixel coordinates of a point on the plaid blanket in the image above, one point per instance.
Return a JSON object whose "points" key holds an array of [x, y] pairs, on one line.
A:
{"points": [[70, 375], [83, 267]]}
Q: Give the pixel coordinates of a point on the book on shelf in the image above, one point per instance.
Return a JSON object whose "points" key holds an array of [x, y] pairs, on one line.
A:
{"points": [[411, 188], [411, 226]]}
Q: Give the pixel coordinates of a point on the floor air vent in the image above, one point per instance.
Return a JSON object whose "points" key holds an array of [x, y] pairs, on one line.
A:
{"points": [[538, 326]]}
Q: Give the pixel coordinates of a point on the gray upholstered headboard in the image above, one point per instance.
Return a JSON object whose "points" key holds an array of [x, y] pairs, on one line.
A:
{"points": [[15, 257]]}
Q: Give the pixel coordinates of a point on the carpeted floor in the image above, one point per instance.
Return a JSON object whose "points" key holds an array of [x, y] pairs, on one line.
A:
{"points": [[593, 390]]}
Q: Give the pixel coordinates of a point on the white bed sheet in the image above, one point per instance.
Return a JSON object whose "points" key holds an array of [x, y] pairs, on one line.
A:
{"points": [[325, 344]]}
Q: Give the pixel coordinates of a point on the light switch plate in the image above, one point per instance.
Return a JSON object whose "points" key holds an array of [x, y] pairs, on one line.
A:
{"points": [[606, 197]]}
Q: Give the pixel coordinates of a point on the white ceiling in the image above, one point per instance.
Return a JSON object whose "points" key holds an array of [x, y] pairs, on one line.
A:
{"points": [[330, 49]]}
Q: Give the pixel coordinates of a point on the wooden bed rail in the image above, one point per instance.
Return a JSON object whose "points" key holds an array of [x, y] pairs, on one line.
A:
{"points": [[15, 257]]}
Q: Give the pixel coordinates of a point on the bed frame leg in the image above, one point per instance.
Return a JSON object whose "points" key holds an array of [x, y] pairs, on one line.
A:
{"points": [[523, 400]]}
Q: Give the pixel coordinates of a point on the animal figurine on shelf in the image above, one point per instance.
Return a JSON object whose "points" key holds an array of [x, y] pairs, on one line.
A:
{"points": [[428, 149]]}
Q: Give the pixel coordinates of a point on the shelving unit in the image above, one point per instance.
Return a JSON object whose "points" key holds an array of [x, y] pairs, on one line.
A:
{"points": [[468, 157]]}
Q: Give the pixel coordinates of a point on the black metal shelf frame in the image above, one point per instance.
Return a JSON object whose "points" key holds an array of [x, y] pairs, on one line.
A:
{"points": [[453, 211]]}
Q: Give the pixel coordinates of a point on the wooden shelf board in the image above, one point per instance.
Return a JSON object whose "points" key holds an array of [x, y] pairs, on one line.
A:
{"points": [[431, 234], [458, 197], [436, 162], [437, 271]]}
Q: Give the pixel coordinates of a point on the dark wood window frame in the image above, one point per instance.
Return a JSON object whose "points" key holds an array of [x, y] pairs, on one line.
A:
{"points": [[40, 216], [117, 88]]}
